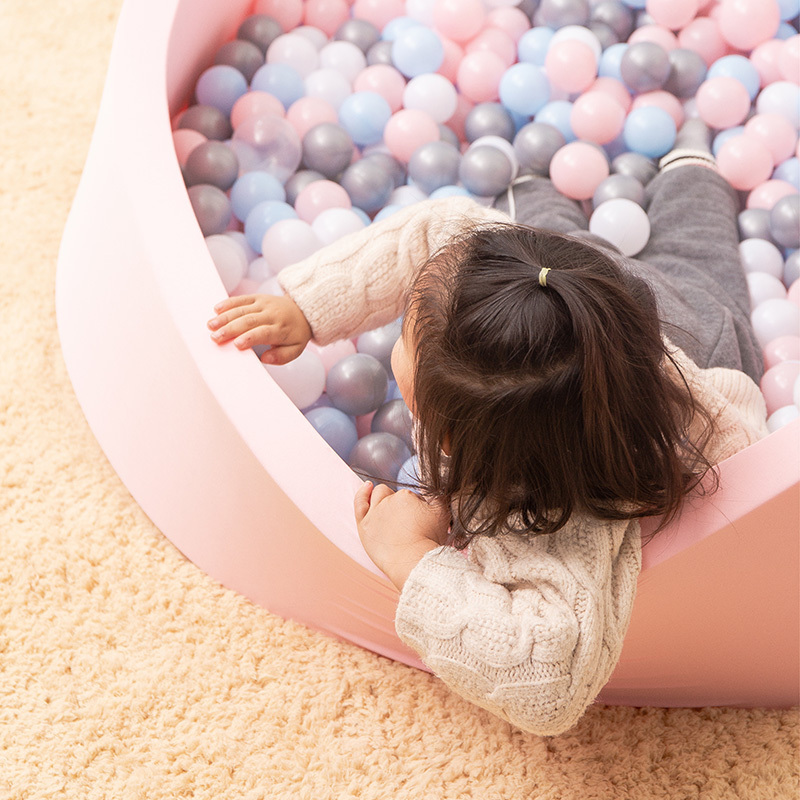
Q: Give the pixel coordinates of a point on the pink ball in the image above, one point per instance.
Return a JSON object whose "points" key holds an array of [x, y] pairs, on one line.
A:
{"points": [[330, 354], [744, 162], [663, 100], [571, 65], [511, 20], [703, 36], [793, 295], [615, 88], [185, 140], [319, 196], [479, 75], [254, 104], [453, 53], [457, 122], [458, 20], [777, 384], [774, 131], [722, 102], [307, 112], [784, 348], [494, 41], [655, 33], [289, 13], [672, 14], [378, 12], [407, 130], [384, 79], [768, 193], [327, 15], [789, 59], [597, 117], [766, 59], [577, 169], [747, 23]]}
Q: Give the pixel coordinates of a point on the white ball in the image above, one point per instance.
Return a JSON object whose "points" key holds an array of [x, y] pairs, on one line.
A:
{"points": [[578, 33], [774, 318], [782, 416], [763, 286], [623, 223], [759, 255], [433, 94], [796, 392], [229, 258], [302, 380]]}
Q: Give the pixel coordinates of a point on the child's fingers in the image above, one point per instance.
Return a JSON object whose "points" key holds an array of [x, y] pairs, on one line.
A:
{"points": [[361, 501], [281, 355], [234, 302], [379, 494]]}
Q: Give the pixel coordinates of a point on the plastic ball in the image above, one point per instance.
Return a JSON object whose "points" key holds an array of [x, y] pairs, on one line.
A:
{"points": [[768, 193], [494, 41], [333, 223], [260, 30], [478, 77], [368, 183], [253, 104], [262, 217], [581, 34], [616, 15], [784, 221], [614, 89], [558, 13], [610, 61], [577, 169], [622, 222], [747, 23], [753, 223], [789, 172], [650, 131], [328, 149], [379, 456], [287, 242], [776, 132], [328, 84], [777, 384], [280, 80], [357, 384], [408, 475], [407, 130], [327, 15], [781, 97], [378, 12], [252, 188], [458, 20], [295, 51], [336, 428], [299, 181], [288, 13], [524, 89], [636, 166], [185, 140], [395, 418], [275, 143], [417, 51], [533, 45], [791, 269], [488, 119], [342, 57], [211, 207], [208, 120], [211, 162], [380, 341], [597, 117], [744, 162], [385, 80], [302, 380], [364, 116], [645, 66], [229, 258], [434, 165], [485, 171], [774, 318], [571, 65], [739, 68], [320, 196], [722, 102], [619, 186], [781, 417], [535, 145], [673, 14], [220, 86], [687, 71], [307, 112], [784, 348], [360, 32], [242, 55], [557, 113], [759, 255], [763, 286], [433, 94]]}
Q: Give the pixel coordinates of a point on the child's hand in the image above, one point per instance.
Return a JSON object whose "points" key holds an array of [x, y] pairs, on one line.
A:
{"points": [[398, 528], [262, 319]]}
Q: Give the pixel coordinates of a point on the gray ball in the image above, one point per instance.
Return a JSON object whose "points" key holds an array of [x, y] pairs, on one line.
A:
{"points": [[242, 55], [357, 384], [380, 342], [636, 165], [616, 15], [299, 181], [369, 184], [208, 120], [379, 456], [619, 186], [260, 30], [433, 165], [784, 221], [791, 269], [395, 418], [212, 162], [485, 171], [558, 13], [605, 35], [687, 72], [449, 135], [359, 32], [328, 149], [645, 67], [489, 119], [391, 165], [211, 208], [754, 224], [380, 53], [535, 145]]}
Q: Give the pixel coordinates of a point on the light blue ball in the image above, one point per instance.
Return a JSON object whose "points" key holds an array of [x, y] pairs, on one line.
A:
{"points": [[335, 427], [557, 113], [417, 51], [611, 60], [386, 212], [637, 4], [262, 217], [524, 89], [408, 476], [364, 116], [785, 31], [789, 171], [283, 81], [723, 137], [449, 191], [789, 9], [739, 68], [394, 27], [253, 188], [533, 45], [650, 131], [220, 86]]}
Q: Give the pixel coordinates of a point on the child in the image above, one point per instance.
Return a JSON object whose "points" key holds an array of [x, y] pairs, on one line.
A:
{"points": [[552, 413]]}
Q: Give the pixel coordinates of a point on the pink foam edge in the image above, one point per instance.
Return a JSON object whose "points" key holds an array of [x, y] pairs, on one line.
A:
{"points": [[229, 470]]}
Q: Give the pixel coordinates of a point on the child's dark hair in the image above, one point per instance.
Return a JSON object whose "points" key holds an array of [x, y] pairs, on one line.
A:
{"points": [[534, 403]]}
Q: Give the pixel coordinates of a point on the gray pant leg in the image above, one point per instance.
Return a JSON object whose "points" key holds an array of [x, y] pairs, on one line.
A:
{"points": [[534, 201]]}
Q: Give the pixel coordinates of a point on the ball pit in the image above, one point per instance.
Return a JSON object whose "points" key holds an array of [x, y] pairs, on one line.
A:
{"points": [[218, 454]]}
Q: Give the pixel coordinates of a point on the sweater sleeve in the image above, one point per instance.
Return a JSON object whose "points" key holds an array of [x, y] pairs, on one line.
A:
{"points": [[528, 628], [359, 282]]}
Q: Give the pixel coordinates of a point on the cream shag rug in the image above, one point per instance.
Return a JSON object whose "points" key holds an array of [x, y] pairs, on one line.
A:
{"points": [[125, 672]]}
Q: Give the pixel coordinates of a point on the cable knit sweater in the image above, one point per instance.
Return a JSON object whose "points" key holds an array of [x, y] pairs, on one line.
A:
{"points": [[528, 628]]}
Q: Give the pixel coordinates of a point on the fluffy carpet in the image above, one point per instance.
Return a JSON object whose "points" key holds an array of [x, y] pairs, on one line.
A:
{"points": [[125, 672]]}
